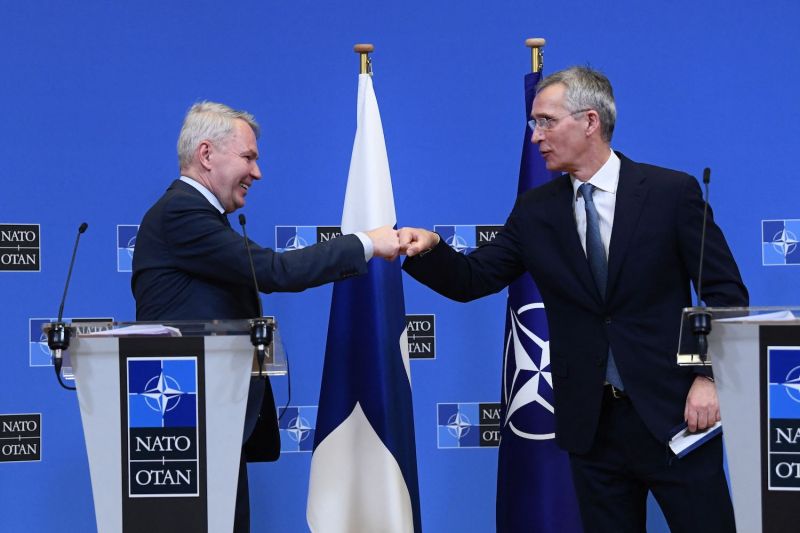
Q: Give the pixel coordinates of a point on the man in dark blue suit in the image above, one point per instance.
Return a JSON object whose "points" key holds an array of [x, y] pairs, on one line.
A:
{"points": [[190, 265], [613, 246]]}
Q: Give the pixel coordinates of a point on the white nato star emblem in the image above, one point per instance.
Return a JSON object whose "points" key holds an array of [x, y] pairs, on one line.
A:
{"points": [[458, 425], [459, 244], [784, 242], [43, 344], [298, 429], [526, 367], [131, 246], [162, 393], [295, 243], [792, 384]]}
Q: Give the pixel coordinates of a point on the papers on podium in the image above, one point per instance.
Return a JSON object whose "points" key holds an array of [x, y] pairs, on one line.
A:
{"points": [[139, 329]]}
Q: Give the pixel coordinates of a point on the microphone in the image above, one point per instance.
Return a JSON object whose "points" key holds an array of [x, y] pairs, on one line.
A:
{"points": [[260, 329], [701, 320], [59, 334]]}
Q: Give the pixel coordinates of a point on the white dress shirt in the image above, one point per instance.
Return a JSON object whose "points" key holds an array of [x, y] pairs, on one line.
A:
{"points": [[605, 200]]}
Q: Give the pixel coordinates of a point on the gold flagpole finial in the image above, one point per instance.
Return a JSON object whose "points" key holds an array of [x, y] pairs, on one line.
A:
{"points": [[366, 63], [537, 58]]}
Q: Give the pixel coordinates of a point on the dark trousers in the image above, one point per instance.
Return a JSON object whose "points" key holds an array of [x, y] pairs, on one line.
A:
{"points": [[626, 461], [241, 520], [255, 396]]}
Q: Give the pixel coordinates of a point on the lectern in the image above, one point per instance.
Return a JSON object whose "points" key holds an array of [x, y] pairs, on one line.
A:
{"points": [[755, 354], [162, 407]]}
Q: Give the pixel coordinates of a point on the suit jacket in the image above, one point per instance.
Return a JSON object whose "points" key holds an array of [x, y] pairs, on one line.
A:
{"points": [[653, 255], [190, 265]]}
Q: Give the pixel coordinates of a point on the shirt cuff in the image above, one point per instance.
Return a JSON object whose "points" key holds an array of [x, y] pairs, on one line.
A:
{"points": [[367, 243]]}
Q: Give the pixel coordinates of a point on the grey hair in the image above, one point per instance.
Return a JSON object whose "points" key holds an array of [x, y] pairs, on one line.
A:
{"points": [[209, 121], [586, 88]]}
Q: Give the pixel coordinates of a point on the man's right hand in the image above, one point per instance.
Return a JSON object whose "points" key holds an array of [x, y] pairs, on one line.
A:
{"points": [[416, 240], [385, 243]]}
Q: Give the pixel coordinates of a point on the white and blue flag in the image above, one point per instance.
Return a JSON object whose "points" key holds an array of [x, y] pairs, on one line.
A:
{"points": [[364, 466]]}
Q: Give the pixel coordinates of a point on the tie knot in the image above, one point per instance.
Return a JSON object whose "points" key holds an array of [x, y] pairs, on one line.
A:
{"points": [[586, 191]]}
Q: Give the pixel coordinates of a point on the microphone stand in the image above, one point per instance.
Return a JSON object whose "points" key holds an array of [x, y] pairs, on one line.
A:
{"points": [[701, 320], [260, 328], [58, 336]]}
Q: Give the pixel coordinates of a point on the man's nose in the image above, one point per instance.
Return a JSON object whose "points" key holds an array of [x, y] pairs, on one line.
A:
{"points": [[255, 172], [537, 136]]}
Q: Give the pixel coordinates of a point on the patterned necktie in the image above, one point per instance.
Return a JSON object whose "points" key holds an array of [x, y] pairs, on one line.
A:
{"points": [[596, 255]]}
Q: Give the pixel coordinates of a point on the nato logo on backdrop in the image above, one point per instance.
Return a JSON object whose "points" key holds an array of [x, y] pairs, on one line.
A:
{"points": [[297, 427], [163, 438], [466, 239], [297, 237], [783, 368], [20, 438], [126, 244], [468, 425], [20, 249], [779, 242], [39, 352]]}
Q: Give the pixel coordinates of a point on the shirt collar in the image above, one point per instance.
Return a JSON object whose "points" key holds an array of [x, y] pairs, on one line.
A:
{"points": [[205, 192], [606, 179]]}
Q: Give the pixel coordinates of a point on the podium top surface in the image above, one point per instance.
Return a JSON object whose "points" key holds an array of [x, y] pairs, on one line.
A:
{"points": [[750, 315], [184, 328]]}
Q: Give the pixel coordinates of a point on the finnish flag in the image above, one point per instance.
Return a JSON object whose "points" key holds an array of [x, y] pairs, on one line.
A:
{"points": [[364, 466]]}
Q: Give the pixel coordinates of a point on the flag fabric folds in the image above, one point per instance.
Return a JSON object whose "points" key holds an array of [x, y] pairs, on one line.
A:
{"points": [[534, 484], [364, 466]]}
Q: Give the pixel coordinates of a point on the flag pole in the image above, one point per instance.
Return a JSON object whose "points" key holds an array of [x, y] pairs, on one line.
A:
{"points": [[537, 57], [366, 63]]}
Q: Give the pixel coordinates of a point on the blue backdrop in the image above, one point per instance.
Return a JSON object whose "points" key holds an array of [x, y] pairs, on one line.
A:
{"points": [[94, 93]]}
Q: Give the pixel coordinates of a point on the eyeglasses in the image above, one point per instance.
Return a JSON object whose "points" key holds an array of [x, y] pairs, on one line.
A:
{"points": [[549, 123]]}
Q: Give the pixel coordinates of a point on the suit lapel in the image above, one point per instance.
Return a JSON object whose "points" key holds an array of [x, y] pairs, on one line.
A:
{"points": [[185, 187], [567, 231], [631, 192]]}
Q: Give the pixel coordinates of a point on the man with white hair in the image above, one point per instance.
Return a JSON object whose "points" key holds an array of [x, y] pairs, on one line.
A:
{"points": [[190, 265]]}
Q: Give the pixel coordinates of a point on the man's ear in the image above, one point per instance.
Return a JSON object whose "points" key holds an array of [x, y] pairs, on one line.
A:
{"points": [[592, 122], [204, 150]]}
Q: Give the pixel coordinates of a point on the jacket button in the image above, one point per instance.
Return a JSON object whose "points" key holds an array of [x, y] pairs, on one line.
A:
{"points": [[608, 320]]}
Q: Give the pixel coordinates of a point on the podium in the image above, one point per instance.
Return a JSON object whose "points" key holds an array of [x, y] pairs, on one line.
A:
{"points": [[163, 408], [755, 354]]}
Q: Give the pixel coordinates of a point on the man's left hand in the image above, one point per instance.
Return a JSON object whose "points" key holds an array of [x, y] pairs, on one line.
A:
{"points": [[702, 405]]}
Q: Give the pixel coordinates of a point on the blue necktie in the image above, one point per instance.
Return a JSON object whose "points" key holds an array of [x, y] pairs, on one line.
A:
{"points": [[596, 254]]}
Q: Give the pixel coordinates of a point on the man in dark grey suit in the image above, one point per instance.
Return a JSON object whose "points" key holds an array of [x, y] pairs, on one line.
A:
{"points": [[190, 265], [612, 246]]}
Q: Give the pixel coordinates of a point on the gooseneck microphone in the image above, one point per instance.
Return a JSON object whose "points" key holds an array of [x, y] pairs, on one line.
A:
{"points": [[260, 329], [701, 320], [59, 334]]}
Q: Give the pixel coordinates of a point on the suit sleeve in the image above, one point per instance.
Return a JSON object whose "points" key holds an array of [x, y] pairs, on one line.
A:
{"points": [[463, 278], [722, 284], [202, 244]]}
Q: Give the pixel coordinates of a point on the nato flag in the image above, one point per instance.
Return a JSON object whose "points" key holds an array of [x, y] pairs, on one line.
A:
{"points": [[534, 484]]}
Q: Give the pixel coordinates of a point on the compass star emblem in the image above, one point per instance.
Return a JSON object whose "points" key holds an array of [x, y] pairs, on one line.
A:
{"points": [[131, 246], [784, 242], [459, 244], [792, 384], [458, 425], [531, 383], [295, 243], [43, 344], [298, 429], [162, 393]]}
